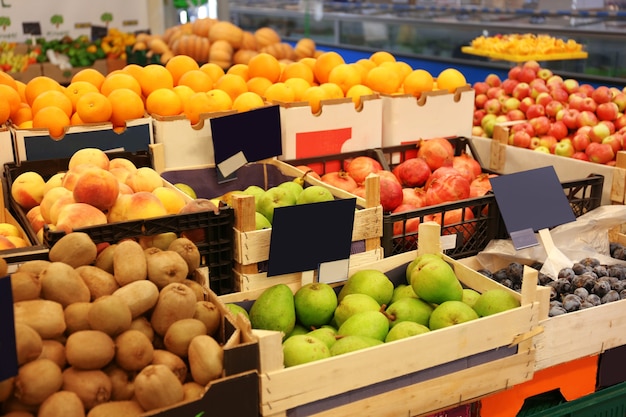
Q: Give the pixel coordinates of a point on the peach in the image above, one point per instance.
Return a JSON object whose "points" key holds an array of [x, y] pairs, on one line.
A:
{"points": [[122, 163], [35, 219], [56, 207], [144, 179], [54, 181], [8, 229], [92, 156], [117, 213], [27, 189], [125, 189], [171, 199], [19, 242], [98, 187], [194, 206], [144, 205], [49, 199], [71, 176], [5, 243], [78, 215], [120, 173]]}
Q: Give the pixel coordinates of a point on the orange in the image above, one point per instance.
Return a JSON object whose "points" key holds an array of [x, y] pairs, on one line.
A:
{"points": [[417, 82], [309, 61], [75, 120], [184, 92], [52, 118], [219, 100], [5, 111], [333, 90], [11, 96], [131, 69], [126, 105], [8, 80], [365, 65], [356, 91], [180, 64], [198, 104], [23, 114], [258, 85], [314, 95], [90, 75], [239, 69], [450, 79], [280, 92], [264, 65], [38, 85], [164, 102], [379, 57], [197, 80], [77, 88], [297, 70], [116, 80], [247, 101], [232, 84], [53, 98], [324, 63], [94, 107], [214, 70], [153, 77], [298, 85], [383, 79], [403, 69], [345, 76], [21, 89]]}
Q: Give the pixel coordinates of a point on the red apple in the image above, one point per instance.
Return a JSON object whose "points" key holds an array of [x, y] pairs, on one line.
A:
{"points": [[564, 148], [556, 81], [514, 72], [600, 153], [543, 98], [571, 85], [526, 75], [494, 92], [493, 106], [480, 100], [534, 142], [533, 65], [478, 116], [515, 114], [586, 118], [509, 85], [525, 126], [544, 73], [511, 103], [558, 130], [521, 90], [535, 110], [589, 104], [553, 107], [580, 155], [607, 111], [615, 140], [480, 87], [586, 89], [575, 101], [620, 122], [559, 94], [520, 139], [620, 100], [580, 141], [602, 94], [541, 125], [525, 103], [538, 86], [548, 141], [493, 80], [569, 116]]}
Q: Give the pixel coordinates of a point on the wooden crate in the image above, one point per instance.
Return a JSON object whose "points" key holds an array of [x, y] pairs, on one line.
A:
{"points": [[447, 367]]}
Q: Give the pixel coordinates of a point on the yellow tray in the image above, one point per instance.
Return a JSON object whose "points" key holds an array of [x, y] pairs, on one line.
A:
{"points": [[528, 57]]}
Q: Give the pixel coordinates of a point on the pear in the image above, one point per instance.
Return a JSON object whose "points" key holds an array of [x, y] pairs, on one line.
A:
{"points": [[351, 343], [297, 329], [372, 324], [450, 313], [236, 309], [419, 261], [302, 348], [272, 198], [326, 334], [470, 296], [369, 281], [254, 190], [495, 301], [405, 329], [402, 291], [292, 186], [351, 304], [314, 194], [436, 282], [409, 309], [261, 221], [315, 304], [274, 310]]}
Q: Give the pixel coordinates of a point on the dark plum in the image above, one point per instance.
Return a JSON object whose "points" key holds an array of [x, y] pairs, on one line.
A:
{"points": [[515, 270], [581, 292], [485, 272], [579, 268], [593, 299], [601, 287], [544, 279], [609, 297], [567, 273], [617, 271], [556, 311], [563, 285], [590, 262], [600, 271]]}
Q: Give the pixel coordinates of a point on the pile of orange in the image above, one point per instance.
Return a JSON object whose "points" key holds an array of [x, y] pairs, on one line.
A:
{"points": [[184, 88]]}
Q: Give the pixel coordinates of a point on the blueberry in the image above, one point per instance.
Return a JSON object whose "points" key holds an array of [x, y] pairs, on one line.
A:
{"points": [[586, 304], [563, 285]]}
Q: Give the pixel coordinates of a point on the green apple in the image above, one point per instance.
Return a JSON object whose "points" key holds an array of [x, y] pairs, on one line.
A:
{"points": [[470, 296], [315, 304], [405, 329], [372, 324], [237, 309], [326, 334], [261, 221], [409, 309], [292, 186], [186, 189], [354, 303], [402, 291], [371, 282], [436, 282], [272, 198], [314, 194], [348, 344], [450, 313], [302, 348], [495, 301]]}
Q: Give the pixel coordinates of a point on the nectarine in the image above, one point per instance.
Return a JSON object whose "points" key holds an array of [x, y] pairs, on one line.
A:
{"points": [[144, 179], [77, 215], [98, 187], [27, 189], [92, 156]]}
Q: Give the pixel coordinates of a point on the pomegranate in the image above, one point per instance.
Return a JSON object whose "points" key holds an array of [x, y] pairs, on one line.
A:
{"points": [[340, 179], [359, 191], [452, 187], [390, 193], [467, 165], [309, 171], [412, 172], [481, 185], [405, 233], [456, 221], [441, 172], [388, 174], [361, 166], [437, 152], [415, 197]]}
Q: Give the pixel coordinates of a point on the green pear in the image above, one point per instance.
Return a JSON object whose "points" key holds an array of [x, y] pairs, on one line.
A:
{"points": [[419, 261], [315, 304], [409, 309], [314, 194], [369, 281], [450, 313], [326, 334], [292, 186], [348, 344], [261, 221], [405, 329], [236, 309], [495, 301], [254, 190], [274, 310], [297, 329], [272, 198], [470, 296], [436, 282], [302, 348], [372, 324], [187, 189], [354, 303], [402, 291]]}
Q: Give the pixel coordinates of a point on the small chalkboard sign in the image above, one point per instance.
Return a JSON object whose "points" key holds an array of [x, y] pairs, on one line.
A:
{"points": [[8, 352], [99, 32], [31, 28]]}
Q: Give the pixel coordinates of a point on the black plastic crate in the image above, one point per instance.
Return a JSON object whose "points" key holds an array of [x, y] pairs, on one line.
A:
{"points": [[337, 162], [216, 245]]}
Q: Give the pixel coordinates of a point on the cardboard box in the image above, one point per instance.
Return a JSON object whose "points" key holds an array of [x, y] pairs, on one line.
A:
{"points": [[435, 114], [32, 71], [339, 127], [447, 367], [64, 76], [7, 152], [37, 144]]}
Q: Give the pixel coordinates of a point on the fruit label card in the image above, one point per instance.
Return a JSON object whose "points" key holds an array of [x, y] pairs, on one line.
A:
{"points": [[8, 352], [530, 201], [313, 236], [249, 136]]}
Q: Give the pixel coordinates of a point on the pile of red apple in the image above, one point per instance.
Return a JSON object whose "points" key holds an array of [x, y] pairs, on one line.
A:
{"points": [[553, 115]]}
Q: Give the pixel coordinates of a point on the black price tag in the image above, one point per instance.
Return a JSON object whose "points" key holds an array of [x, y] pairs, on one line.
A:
{"points": [[8, 352]]}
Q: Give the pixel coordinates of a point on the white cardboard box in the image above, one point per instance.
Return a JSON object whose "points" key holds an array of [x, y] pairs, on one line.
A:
{"points": [[7, 153], [406, 119], [339, 127]]}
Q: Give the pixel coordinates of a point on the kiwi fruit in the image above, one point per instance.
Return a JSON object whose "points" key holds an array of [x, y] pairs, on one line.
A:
{"points": [[92, 386], [62, 403], [129, 262], [28, 343], [45, 316], [104, 260], [209, 314], [193, 391], [139, 296], [188, 251], [74, 249], [206, 359], [179, 335], [61, 283], [34, 266], [37, 380], [172, 361], [151, 250], [166, 267], [89, 349], [25, 286], [76, 316], [122, 387], [133, 350], [109, 314], [6, 388], [176, 302], [55, 351], [117, 408], [99, 281], [196, 287], [142, 324], [156, 386]]}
